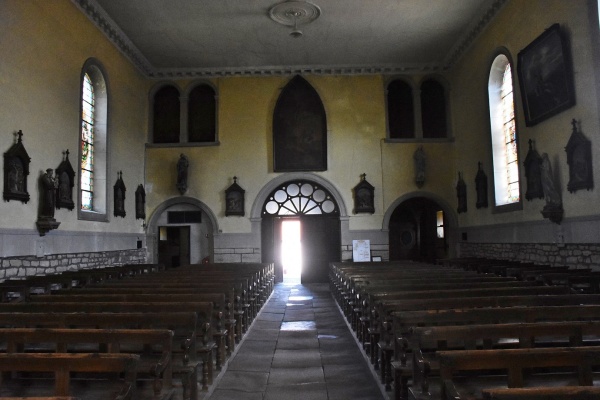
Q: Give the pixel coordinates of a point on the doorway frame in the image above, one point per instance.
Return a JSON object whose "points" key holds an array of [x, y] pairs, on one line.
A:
{"points": [[449, 215], [152, 228]]}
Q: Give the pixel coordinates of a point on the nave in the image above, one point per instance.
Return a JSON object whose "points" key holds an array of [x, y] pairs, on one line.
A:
{"points": [[298, 347]]}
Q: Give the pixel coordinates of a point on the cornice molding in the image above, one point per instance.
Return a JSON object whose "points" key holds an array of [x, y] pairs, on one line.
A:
{"points": [[475, 29], [115, 34]]}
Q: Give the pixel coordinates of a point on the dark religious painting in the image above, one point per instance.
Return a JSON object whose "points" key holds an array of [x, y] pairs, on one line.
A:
{"points": [[16, 170], [364, 196], [299, 129], [234, 199], [66, 180], [579, 158], [119, 194], [545, 76]]}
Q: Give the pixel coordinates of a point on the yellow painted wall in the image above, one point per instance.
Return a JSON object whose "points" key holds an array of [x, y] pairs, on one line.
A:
{"points": [[44, 45], [517, 25], [356, 121]]}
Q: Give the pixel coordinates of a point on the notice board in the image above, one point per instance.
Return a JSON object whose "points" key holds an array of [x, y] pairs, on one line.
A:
{"points": [[361, 250]]}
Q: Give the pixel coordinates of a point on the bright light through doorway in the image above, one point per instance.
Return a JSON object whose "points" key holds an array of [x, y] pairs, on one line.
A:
{"points": [[291, 251]]}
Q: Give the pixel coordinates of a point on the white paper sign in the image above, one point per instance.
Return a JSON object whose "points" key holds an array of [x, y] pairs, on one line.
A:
{"points": [[361, 250]]}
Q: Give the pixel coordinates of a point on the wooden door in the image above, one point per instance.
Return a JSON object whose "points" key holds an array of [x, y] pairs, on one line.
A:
{"points": [[174, 245], [320, 246]]}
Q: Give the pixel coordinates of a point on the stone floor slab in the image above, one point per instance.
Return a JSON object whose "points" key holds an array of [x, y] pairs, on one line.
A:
{"points": [[310, 391], [294, 376]]}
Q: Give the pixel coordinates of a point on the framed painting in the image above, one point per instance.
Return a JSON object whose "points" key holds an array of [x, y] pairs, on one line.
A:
{"points": [[545, 76]]}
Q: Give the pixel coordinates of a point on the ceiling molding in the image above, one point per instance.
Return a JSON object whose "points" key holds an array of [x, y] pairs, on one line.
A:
{"points": [[115, 34], [472, 33]]}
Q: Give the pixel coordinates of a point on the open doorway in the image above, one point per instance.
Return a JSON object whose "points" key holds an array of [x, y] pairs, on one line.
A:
{"points": [[291, 250]]}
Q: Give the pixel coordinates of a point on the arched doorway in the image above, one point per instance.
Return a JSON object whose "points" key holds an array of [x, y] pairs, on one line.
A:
{"points": [[418, 230], [318, 214], [182, 231]]}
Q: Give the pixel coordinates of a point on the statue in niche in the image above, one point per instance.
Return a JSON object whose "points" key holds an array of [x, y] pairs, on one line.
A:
{"points": [[182, 173], [481, 188], [461, 194], [553, 209], [48, 186], [419, 159]]}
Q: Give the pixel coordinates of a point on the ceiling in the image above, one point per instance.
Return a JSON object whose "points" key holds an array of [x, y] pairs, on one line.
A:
{"points": [[189, 38]]}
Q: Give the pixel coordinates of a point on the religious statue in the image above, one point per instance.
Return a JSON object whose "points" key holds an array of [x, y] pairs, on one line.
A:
{"points": [[553, 209], [182, 173], [48, 186], [48, 194], [481, 188], [419, 159], [461, 194]]}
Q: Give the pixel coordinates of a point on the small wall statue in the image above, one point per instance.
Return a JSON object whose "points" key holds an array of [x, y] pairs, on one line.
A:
{"points": [[533, 174], [140, 202], [553, 209], [182, 173], [461, 194], [579, 158], [420, 162], [48, 185]]}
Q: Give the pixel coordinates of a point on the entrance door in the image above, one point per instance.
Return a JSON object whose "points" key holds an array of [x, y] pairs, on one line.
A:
{"points": [[174, 246], [320, 246], [316, 210]]}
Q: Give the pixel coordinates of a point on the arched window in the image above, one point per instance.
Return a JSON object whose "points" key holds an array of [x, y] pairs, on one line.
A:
{"points": [[165, 112], [202, 114], [400, 110], [433, 109], [504, 133], [93, 143]]}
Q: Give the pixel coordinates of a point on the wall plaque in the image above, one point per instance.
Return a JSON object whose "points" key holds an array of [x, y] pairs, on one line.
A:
{"points": [[234, 199], [119, 196], [16, 170], [364, 195], [65, 174]]}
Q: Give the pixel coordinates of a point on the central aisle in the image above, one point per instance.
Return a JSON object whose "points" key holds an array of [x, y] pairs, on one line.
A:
{"points": [[299, 347]]}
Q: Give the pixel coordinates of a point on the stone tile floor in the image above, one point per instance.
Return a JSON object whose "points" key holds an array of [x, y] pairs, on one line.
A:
{"points": [[299, 347]]}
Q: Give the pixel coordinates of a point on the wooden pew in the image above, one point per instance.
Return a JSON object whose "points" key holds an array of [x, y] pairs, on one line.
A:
{"points": [[219, 332], [544, 393], [204, 348], [424, 342], [520, 365], [156, 364], [182, 324], [62, 365]]}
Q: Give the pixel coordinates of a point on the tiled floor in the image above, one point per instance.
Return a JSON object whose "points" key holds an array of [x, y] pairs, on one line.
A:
{"points": [[299, 347]]}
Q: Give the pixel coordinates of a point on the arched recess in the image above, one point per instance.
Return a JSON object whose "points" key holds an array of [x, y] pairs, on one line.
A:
{"points": [[411, 221], [299, 129], [321, 231], [201, 234]]}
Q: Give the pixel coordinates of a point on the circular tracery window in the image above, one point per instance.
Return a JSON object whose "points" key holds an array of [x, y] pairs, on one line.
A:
{"points": [[300, 198]]}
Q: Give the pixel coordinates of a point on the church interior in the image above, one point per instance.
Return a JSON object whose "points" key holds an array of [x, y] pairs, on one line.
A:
{"points": [[317, 143]]}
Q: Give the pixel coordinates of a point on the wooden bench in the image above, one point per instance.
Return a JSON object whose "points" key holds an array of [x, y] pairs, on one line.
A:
{"points": [[424, 342], [182, 324], [544, 393], [63, 365], [204, 348], [155, 364], [519, 367]]}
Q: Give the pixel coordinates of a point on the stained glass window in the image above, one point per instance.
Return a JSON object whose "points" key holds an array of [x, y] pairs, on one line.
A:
{"points": [[87, 144], [510, 136], [507, 189]]}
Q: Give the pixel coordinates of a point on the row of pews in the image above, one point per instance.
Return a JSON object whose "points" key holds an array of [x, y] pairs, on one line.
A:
{"points": [[126, 332], [475, 328]]}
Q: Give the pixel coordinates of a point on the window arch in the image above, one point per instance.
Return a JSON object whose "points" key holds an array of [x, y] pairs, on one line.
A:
{"points": [[93, 147], [400, 110], [300, 197], [165, 115], [503, 133], [433, 109], [202, 114]]}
